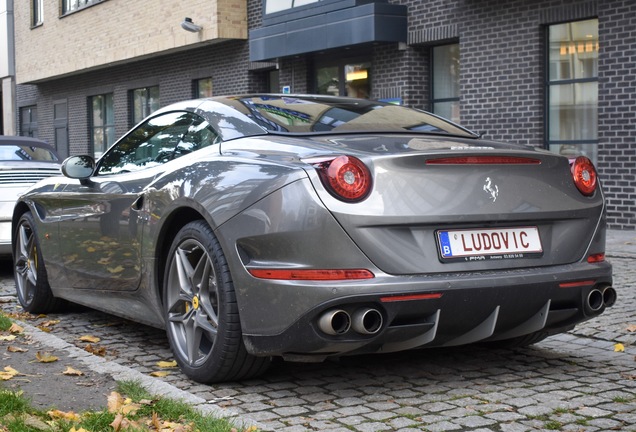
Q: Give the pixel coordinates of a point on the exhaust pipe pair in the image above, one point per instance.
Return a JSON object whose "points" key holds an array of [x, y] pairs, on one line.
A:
{"points": [[598, 299], [365, 321]]}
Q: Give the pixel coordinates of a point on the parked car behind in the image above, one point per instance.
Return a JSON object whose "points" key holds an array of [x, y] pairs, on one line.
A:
{"points": [[23, 162]]}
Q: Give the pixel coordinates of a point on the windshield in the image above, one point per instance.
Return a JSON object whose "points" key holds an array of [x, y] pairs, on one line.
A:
{"points": [[306, 114], [15, 152]]}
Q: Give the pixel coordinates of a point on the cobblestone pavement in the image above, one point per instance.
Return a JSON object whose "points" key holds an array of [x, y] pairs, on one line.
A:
{"points": [[570, 382]]}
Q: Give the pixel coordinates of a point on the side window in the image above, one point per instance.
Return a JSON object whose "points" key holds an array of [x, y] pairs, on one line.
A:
{"points": [[157, 141]]}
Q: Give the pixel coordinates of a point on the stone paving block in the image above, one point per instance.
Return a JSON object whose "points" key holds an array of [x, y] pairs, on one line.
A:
{"points": [[380, 415], [402, 422], [290, 411], [372, 427], [443, 426], [592, 412], [474, 421]]}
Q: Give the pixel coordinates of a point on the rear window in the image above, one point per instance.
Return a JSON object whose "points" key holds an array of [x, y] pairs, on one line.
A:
{"points": [[26, 153], [311, 114]]}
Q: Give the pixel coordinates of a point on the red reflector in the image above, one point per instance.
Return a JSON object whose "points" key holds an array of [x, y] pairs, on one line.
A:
{"points": [[484, 160], [409, 297], [299, 274], [594, 258], [577, 284]]}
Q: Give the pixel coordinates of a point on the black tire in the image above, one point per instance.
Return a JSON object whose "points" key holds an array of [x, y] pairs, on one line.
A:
{"points": [[31, 280], [202, 317]]}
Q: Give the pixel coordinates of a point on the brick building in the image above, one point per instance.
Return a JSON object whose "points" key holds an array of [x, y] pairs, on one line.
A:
{"points": [[558, 74]]}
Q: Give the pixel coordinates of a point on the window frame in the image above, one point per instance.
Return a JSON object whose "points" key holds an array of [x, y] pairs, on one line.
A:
{"points": [[37, 13], [550, 83], [147, 109], [341, 65], [433, 99], [32, 125], [71, 6], [197, 87], [106, 126]]}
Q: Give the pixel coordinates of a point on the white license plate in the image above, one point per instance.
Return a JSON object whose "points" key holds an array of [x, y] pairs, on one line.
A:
{"points": [[489, 243]]}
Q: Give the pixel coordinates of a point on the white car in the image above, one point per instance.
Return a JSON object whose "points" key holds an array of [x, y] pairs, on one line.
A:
{"points": [[23, 162]]}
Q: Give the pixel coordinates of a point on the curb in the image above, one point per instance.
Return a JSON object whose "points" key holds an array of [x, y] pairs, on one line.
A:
{"points": [[123, 373]]}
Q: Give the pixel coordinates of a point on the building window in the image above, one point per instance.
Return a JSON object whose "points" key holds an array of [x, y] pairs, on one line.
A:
{"points": [[102, 123], [572, 88], [37, 9], [29, 121], [73, 5], [445, 81], [273, 6], [145, 101], [203, 88], [351, 79]]}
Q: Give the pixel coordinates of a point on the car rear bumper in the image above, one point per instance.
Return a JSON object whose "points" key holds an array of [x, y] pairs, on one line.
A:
{"points": [[400, 313]]}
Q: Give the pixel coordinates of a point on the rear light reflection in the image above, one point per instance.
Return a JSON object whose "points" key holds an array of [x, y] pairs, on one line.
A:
{"points": [[410, 297], [484, 160], [311, 274]]}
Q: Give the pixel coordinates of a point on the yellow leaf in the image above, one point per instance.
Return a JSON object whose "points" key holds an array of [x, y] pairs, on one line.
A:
{"points": [[72, 372], [7, 338], [57, 414], [15, 328], [90, 339], [90, 249], [167, 364], [15, 349], [8, 373], [619, 347], [78, 430], [160, 374], [45, 357], [103, 261]]}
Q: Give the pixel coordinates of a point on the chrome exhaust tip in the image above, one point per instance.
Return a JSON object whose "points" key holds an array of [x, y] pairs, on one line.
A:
{"points": [[594, 301], [367, 321], [335, 322], [609, 296]]}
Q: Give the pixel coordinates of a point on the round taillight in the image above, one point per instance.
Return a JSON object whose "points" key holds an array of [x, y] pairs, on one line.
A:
{"points": [[345, 177], [584, 175]]}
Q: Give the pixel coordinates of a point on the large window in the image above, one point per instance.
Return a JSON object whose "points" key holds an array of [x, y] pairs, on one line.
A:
{"points": [[445, 81], [37, 10], [344, 79], [203, 88], [272, 6], [73, 5], [102, 123], [29, 121], [145, 101], [572, 88]]}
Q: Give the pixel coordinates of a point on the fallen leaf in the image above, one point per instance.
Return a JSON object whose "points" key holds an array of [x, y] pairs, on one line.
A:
{"points": [[631, 328], [45, 357], [114, 402], [45, 329], [49, 323], [96, 350], [8, 373], [77, 430], [15, 349], [15, 329], [159, 374], [57, 414], [90, 339], [7, 338], [167, 364], [72, 372], [619, 347], [90, 249]]}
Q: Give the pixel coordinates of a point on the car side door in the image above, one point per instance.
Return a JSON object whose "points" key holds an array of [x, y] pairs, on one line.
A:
{"points": [[101, 225]]}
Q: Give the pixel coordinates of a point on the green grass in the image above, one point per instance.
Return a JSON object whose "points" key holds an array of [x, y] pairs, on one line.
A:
{"points": [[17, 415], [5, 322]]}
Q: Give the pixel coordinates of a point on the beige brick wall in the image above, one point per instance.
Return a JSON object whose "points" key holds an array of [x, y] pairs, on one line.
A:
{"points": [[116, 31]]}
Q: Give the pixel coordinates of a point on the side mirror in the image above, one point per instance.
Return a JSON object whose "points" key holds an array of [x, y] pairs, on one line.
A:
{"points": [[79, 167]]}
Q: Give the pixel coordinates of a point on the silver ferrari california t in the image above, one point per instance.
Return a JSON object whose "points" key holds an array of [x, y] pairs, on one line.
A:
{"points": [[306, 227]]}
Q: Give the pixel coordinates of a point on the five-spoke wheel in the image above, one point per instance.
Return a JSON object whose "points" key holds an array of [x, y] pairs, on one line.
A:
{"points": [[202, 316]]}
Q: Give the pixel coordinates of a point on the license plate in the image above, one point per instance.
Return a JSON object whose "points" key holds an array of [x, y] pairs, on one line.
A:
{"points": [[489, 243]]}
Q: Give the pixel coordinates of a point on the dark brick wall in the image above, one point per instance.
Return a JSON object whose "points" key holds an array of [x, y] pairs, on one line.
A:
{"points": [[502, 49]]}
